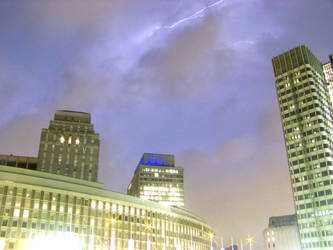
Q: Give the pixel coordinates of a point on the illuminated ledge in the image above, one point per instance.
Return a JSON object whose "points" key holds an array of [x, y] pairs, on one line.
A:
{"points": [[42, 180]]}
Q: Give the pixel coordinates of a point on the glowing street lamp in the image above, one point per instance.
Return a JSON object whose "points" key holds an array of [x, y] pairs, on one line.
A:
{"points": [[113, 221], [148, 228], [211, 237], [250, 241]]}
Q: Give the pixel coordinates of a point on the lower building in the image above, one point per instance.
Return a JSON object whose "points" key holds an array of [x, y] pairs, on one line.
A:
{"points": [[19, 161], [41, 210], [282, 233]]}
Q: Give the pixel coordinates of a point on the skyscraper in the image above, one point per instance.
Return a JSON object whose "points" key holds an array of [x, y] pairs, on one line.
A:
{"points": [[156, 178], [306, 114], [328, 71], [69, 146]]}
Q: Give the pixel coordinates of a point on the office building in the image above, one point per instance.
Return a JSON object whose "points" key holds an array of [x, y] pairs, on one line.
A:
{"points": [[306, 115], [328, 71], [69, 146], [157, 178], [41, 210], [19, 161], [282, 233], [51, 208]]}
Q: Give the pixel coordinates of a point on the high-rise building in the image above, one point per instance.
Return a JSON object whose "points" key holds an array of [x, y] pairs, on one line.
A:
{"points": [[157, 178], [69, 146], [328, 71], [306, 115], [282, 233]]}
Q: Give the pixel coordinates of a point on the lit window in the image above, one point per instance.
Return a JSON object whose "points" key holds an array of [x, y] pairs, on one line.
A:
{"points": [[44, 206], [93, 204], [100, 205], [25, 213], [70, 140], [16, 212], [77, 141], [62, 139], [120, 209], [107, 206]]}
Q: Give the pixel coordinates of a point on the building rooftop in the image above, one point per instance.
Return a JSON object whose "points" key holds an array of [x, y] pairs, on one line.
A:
{"points": [[94, 189], [283, 221], [19, 161], [72, 116], [295, 58], [167, 160]]}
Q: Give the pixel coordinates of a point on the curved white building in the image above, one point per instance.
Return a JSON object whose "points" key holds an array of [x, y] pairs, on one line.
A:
{"points": [[42, 210]]}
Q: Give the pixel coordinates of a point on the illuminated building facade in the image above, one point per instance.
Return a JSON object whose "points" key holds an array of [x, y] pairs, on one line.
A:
{"points": [[69, 146], [41, 210], [46, 203], [328, 71], [157, 178], [306, 115], [282, 233]]}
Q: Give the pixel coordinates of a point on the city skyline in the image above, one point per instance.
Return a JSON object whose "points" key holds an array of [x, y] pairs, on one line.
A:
{"points": [[215, 109]]}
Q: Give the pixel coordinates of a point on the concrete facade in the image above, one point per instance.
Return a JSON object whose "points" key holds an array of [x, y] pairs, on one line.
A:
{"points": [[19, 161], [282, 233], [39, 209], [69, 146]]}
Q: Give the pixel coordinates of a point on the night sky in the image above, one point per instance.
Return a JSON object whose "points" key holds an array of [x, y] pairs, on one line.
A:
{"points": [[201, 88]]}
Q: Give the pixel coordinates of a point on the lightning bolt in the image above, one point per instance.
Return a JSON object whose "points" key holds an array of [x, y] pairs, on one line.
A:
{"points": [[153, 30], [195, 15]]}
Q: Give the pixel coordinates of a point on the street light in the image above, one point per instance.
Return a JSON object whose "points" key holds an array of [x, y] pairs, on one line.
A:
{"points": [[211, 237], [148, 228], [113, 221], [250, 241]]}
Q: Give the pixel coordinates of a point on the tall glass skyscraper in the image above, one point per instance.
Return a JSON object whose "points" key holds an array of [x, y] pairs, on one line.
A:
{"points": [[306, 114], [69, 146]]}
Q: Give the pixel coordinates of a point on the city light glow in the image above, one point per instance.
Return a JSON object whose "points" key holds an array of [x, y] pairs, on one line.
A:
{"points": [[130, 244], [2, 244], [63, 241]]}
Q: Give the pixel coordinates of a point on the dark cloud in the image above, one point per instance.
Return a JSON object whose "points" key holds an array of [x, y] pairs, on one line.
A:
{"points": [[203, 91]]}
